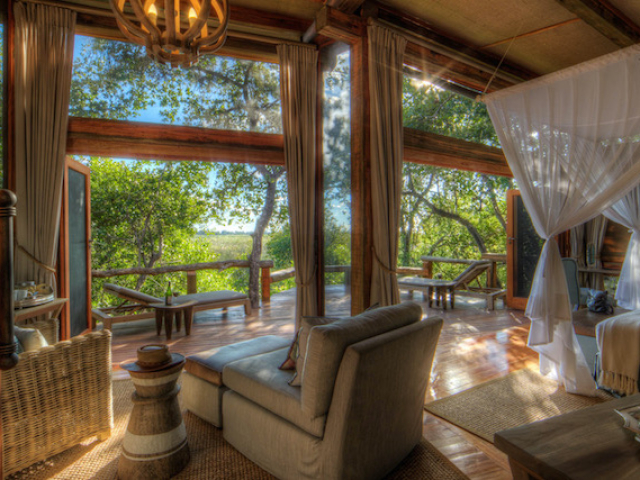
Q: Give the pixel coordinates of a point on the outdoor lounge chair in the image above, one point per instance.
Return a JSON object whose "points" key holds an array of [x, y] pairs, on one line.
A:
{"points": [[136, 301], [461, 284]]}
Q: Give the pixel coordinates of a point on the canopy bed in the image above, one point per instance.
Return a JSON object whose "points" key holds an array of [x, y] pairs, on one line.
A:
{"points": [[572, 140]]}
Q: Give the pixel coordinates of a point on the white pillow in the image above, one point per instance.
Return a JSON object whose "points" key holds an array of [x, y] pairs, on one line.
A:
{"points": [[30, 338]]}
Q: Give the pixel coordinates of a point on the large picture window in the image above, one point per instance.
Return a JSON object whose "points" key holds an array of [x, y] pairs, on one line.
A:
{"points": [[116, 80]]}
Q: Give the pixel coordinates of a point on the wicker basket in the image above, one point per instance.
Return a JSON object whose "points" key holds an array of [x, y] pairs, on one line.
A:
{"points": [[55, 398]]}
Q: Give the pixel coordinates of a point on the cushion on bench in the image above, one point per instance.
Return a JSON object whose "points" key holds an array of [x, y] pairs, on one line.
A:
{"points": [[209, 365], [211, 297]]}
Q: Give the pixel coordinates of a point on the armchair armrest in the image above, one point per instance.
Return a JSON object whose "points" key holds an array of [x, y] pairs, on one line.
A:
{"points": [[55, 398]]}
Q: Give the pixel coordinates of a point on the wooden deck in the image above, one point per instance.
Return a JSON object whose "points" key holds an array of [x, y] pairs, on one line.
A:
{"points": [[476, 345]]}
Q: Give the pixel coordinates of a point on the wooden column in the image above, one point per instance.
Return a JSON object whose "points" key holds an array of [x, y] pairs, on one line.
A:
{"points": [[361, 216]]}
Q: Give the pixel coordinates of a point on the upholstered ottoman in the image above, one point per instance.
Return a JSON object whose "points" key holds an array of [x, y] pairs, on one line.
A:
{"points": [[202, 382]]}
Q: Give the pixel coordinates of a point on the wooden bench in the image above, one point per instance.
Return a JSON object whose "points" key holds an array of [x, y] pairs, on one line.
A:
{"points": [[139, 306], [461, 285]]}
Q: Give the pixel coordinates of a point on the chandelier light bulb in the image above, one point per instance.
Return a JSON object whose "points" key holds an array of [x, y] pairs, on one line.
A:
{"points": [[176, 32]]}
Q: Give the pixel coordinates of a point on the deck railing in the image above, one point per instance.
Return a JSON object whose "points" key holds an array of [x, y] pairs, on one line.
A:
{"points": [[190, 270], [267, 277]]}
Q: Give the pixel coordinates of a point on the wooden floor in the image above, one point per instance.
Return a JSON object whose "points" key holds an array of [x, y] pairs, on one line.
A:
{"points": [[476, 345]]}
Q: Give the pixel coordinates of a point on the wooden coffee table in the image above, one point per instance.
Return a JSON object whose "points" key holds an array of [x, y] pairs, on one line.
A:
{"points": [[588, 444], [168, 313]]}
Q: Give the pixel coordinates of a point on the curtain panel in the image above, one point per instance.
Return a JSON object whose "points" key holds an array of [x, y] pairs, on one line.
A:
{"points": [[572, 141], [298, 80], [386, 55], [627, 212], [44, 57]]}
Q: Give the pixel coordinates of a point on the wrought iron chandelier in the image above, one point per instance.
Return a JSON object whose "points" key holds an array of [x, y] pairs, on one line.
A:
{"points": [[173, 31]]}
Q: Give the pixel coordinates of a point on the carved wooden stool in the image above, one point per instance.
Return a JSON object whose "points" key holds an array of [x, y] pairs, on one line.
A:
{"points": [[155, 443]]}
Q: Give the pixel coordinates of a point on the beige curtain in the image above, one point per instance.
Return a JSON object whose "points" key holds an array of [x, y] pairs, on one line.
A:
{"points": [[386, 53], [298, 79], [44, 57]]}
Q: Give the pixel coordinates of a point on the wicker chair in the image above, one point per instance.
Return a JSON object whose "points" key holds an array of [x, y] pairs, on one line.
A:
{"points": [[56, 397]]}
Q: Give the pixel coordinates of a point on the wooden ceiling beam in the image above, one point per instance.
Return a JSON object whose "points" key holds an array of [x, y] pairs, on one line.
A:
{"points": [[122, 139], [346, 6], [270, 20], [338, 25], [442, 151], [606, 19]]}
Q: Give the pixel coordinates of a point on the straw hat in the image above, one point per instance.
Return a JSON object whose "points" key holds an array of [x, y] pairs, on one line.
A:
{"points": [[152, 358]]}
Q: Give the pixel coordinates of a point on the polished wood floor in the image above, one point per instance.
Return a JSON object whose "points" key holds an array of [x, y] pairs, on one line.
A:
{"points": [[475, 346]]}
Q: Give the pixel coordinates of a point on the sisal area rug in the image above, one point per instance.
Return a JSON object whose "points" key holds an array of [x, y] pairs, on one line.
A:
{"points": [[211, 456], [519, 398]]}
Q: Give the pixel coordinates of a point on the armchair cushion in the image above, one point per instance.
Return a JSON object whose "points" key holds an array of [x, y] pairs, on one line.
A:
{"points": [[327, 344], [30, 339], [209, 365], [258, 379]]}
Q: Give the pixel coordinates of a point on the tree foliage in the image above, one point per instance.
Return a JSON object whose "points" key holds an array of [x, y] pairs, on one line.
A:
{"points": [[445, 212], [145, 213], [115, 80]]}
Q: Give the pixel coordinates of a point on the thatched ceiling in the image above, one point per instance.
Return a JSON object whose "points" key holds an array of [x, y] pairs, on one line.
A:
{"points": [[549, 34]]}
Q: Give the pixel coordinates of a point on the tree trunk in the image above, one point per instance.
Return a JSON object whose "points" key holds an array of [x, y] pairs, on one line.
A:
{"points": [[258, 233]]}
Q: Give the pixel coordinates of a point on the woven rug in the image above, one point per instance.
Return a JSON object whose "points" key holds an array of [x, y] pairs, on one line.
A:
{"points": [[211, 456], [519, 398]]}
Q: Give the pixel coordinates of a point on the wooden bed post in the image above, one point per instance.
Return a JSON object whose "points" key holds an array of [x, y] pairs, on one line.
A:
{"points": [[8, 355]]}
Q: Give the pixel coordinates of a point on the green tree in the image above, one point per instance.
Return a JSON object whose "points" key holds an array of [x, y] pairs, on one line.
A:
{"points": [[116, 80], [449, 212], [140, 210]]}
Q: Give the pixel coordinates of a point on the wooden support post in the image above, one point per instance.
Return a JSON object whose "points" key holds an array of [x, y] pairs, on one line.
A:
{"points": [[266, 283], [361, 218], [428, 269], [192, 282]]}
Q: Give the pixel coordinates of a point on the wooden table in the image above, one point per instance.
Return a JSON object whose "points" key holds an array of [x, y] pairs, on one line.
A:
{"points": [[167, 313], [587, 444]]}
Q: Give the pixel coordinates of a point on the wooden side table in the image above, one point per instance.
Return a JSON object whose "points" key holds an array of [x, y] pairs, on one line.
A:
{"points": [[167, 313], [155, 444]]}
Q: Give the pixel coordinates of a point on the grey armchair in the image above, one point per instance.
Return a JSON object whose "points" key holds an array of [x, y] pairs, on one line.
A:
{"points": [[360, 408]]}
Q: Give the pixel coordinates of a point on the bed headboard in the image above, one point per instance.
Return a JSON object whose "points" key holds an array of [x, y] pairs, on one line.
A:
{"points": [[8, 355]]}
